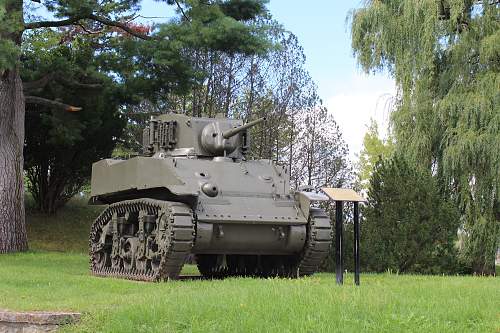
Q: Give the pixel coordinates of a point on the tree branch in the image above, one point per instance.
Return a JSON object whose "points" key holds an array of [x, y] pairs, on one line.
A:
{"points": [[38, 84], [182, 11], [54, 76], [51, 103], [73, 20], [120, 25], [80, 85], [50, 24], [90, 32]]}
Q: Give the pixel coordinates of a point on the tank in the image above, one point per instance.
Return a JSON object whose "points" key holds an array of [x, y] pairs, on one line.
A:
{"points": [[194, 194]]}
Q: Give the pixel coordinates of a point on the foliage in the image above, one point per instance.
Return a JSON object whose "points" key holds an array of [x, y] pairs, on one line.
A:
{"points": [[274, 85], [374, 149], [164, 65], [61, 146], [383, 303], [321, 153], [407, 227], [444, 57]]}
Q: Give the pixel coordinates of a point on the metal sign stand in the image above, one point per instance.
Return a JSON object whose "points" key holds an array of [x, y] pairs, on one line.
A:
{"points": [[340, 195], [339, 246], [356, 242]]}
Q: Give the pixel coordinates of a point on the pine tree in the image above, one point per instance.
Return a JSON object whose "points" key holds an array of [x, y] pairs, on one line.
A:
{"points": [[60, 147], [407, 227]]}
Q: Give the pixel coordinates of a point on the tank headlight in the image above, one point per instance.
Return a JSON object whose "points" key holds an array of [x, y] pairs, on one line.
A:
{"points": [[210, 189]]}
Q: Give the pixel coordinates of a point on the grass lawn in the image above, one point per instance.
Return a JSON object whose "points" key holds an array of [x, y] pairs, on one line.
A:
{"points": [[383, 303], [67, 231], [59, 280]]}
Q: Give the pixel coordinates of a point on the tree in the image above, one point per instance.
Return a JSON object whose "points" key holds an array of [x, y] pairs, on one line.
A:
{"points": [[298, 132], [374, 149], [444, 56], [321, 158], [61, 146], [219, 25], [407, 227]]}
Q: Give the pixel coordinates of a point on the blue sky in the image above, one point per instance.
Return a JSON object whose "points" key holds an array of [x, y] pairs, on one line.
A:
{"points": [[323, 32], [352, 96]]}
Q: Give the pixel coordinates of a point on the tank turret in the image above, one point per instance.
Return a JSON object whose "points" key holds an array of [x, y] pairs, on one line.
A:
{"points": [[222, 142], [177, 135]]}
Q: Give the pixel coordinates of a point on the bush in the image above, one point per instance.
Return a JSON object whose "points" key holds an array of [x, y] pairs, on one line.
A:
{"points": [[408, 226]]}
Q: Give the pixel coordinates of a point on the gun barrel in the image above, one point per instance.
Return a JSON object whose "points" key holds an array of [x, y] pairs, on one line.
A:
{"points": [[234, 131]]}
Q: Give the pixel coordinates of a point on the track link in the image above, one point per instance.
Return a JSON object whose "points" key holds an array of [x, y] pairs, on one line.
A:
{"points": [[318, 243], [154, 255]]}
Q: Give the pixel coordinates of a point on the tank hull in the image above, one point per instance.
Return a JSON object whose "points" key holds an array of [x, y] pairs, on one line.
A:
{"points": [[240, 212], [256, 214]]}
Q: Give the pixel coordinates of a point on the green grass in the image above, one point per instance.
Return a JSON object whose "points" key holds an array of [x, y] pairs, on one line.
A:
{"points": [[383, 303], [67, 231], [42, 280]]}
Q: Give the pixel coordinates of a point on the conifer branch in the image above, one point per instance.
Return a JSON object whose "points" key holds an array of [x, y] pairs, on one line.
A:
{"points": [[54, 76], [51, 103], [38, 84], [90, 32], [75, 19], [79, 85], [52, 24], [182, 11], [120, 25]]}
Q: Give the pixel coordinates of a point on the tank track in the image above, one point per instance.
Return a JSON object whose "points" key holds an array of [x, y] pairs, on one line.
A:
{"points": [[316, 249], [162, 236], [318, 243]]}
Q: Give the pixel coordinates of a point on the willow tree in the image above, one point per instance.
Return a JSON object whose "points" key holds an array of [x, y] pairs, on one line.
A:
{"points": [[445, 58], [374, 150]]}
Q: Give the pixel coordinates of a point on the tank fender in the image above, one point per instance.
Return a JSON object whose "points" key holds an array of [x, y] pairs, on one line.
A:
{"points": [[305, 198]]}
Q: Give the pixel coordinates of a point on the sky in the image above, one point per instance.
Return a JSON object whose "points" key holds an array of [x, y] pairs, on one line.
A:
{"points": [[320, 25], [350, 95]]}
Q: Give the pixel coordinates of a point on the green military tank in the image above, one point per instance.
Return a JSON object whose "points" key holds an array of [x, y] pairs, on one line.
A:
{"points": [[194, 193]]}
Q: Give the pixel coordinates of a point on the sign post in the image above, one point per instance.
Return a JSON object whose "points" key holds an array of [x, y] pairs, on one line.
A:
{"points": [[339, 195], [356, 242], [339, 244]]}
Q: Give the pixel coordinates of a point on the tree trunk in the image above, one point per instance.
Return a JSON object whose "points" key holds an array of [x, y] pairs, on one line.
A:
{"points": [[253, 70], [229, 88], [12, 227]]}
